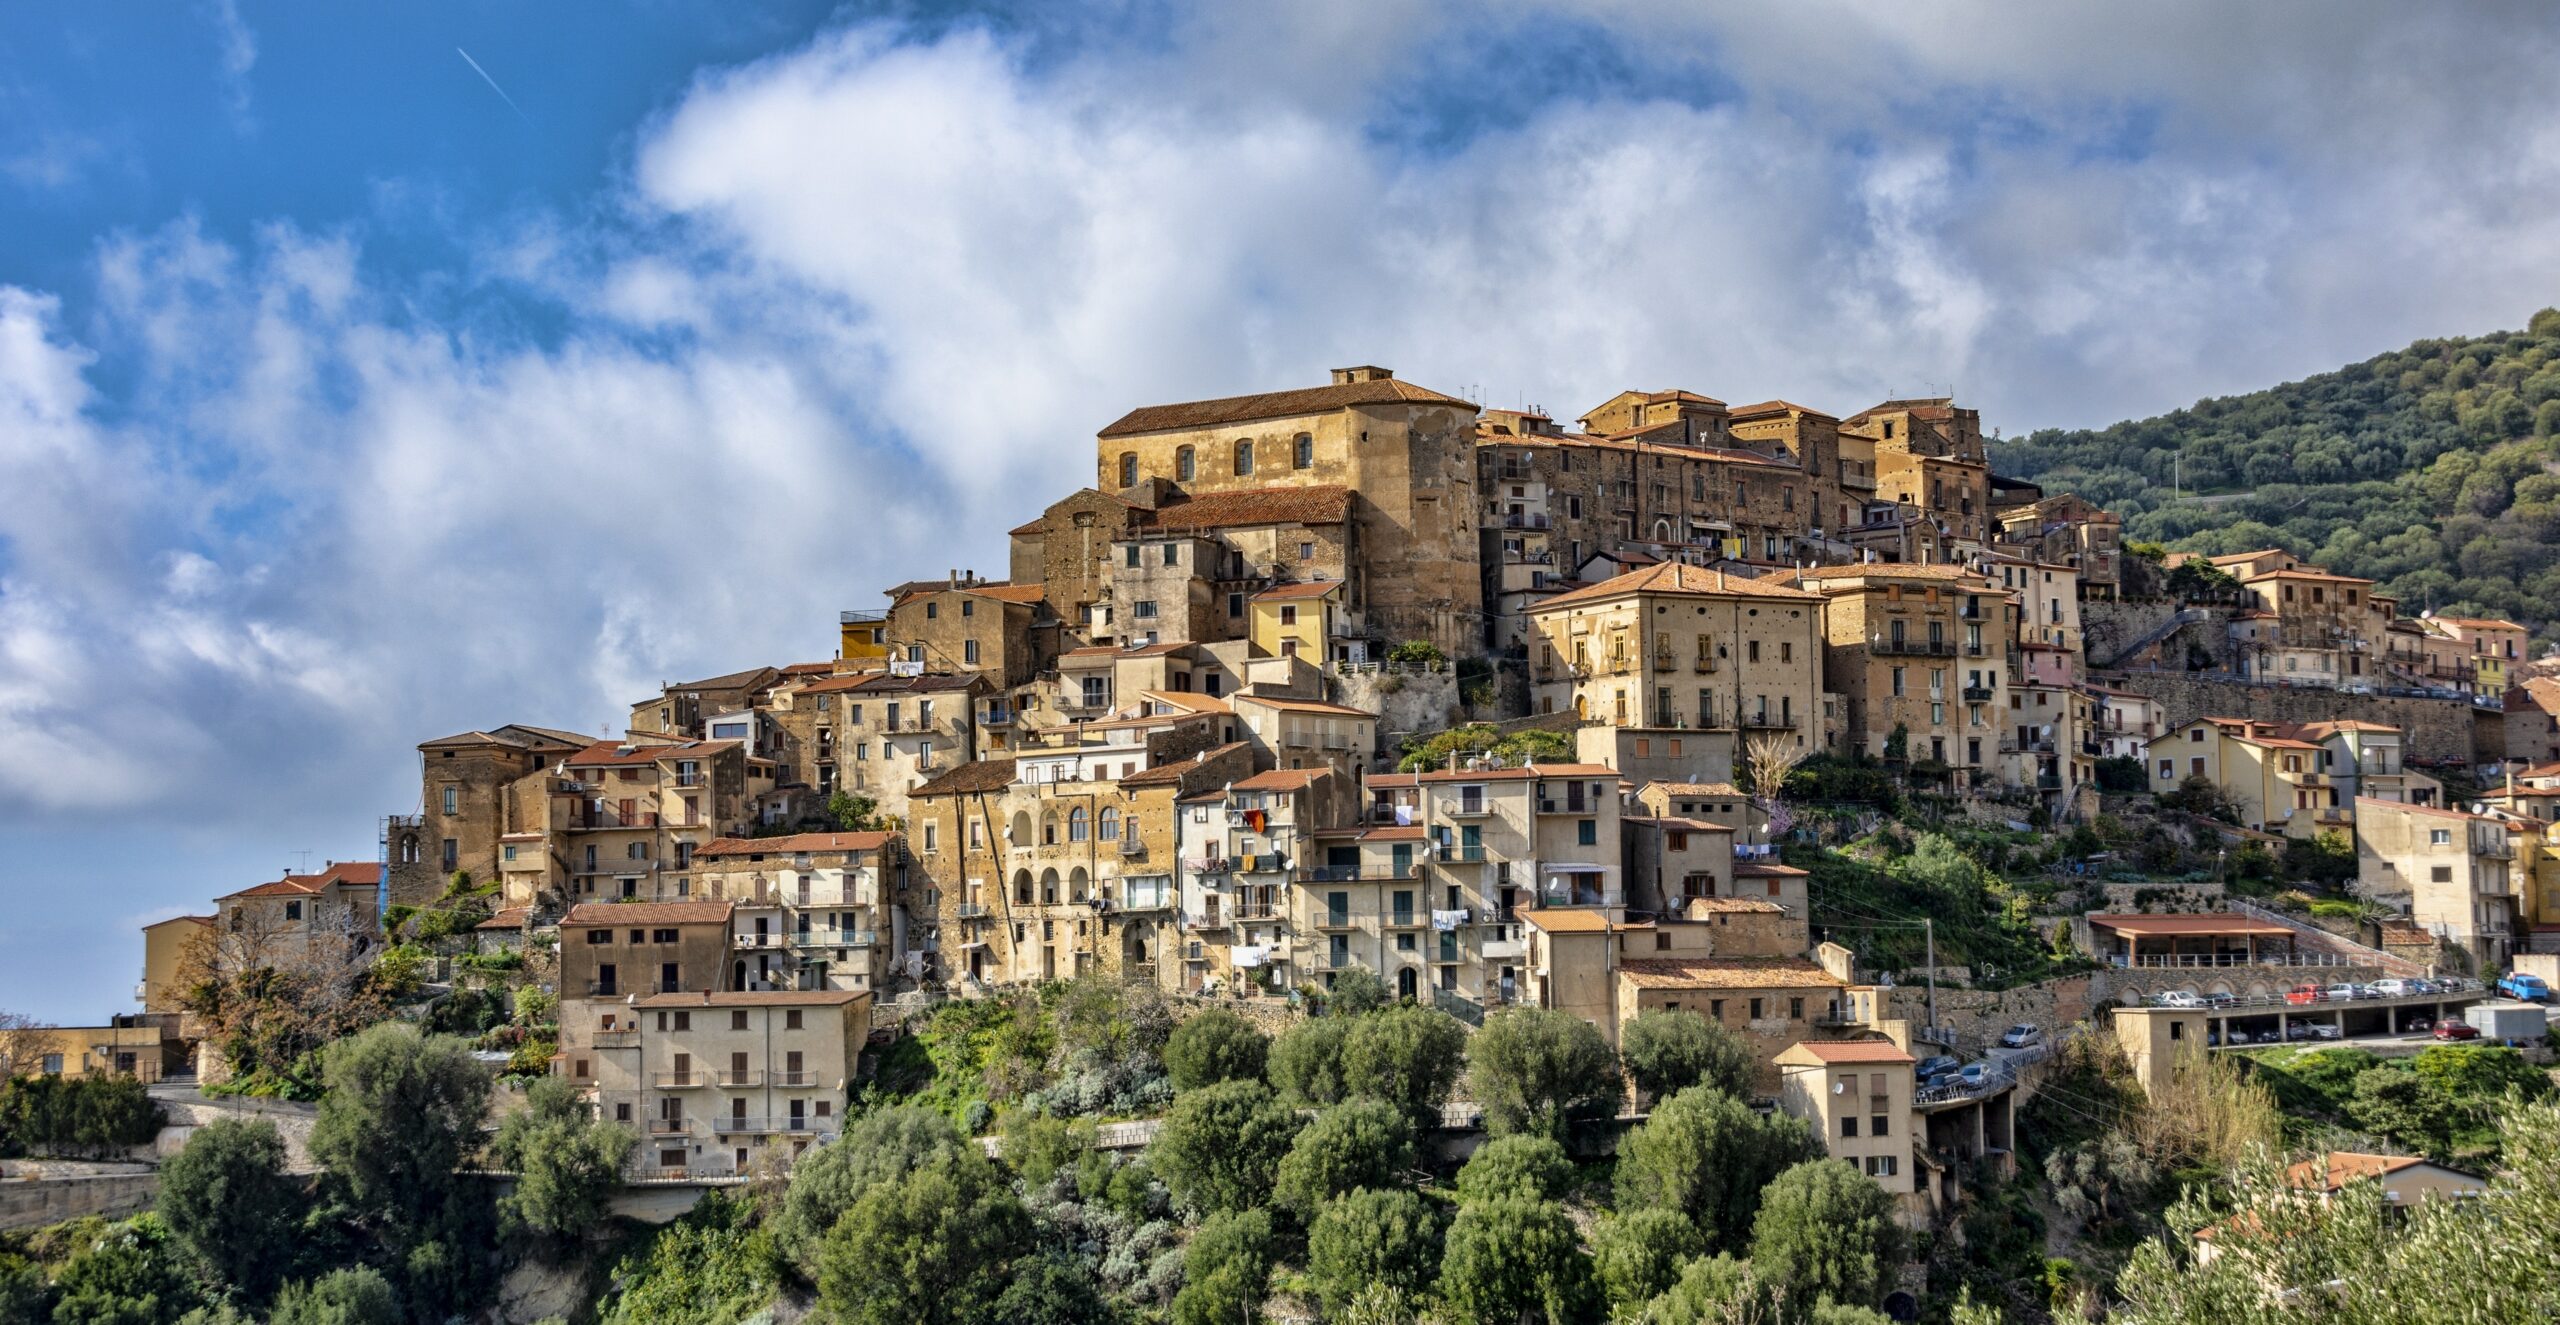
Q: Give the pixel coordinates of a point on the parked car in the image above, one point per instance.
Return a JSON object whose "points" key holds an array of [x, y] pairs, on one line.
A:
{"points": [[2342, 993], [2415, 1024], [1974, 1075], [2428, 986], [2530, 988], [2222, 1000], [2301, 994], [2321, 1030], [2393, 988], [2456, 1030], [2023, 1036], [1934, 1067], [2300, 1030], [2177, 998], [2213, 1037]]}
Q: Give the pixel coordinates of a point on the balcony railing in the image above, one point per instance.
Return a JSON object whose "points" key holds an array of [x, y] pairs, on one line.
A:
{"points": [[973, 910], [1131, 846], [794, 1080], [1977, 694], [835, 938], [1463, 855], [1909, 648], [741, 1080], [609, 1037], [1548, 805], [680, 1080], [765, 940], [737, 1123], [670, 1127]]}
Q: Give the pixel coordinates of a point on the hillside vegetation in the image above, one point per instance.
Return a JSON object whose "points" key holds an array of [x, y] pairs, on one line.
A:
{"points": [[2434, 470]]}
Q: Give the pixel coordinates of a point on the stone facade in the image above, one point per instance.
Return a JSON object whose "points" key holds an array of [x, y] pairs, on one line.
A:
{"points": [[2437, 730], [1675, 646], [1922, 650]]}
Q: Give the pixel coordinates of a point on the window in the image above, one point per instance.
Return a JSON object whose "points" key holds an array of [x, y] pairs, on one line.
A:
{"points": [[1587, 832], [1244, 458], [1079, 825], [599, 936], [1130, 554], [1880, 1166], [1185, 465], [1128, 469], [1110, 822], [1303, 452], [738, 1020], [1235, 604], [293, 910], [2440, 874], [1306, 552], [453, 800], [969, 652], [791, 1019], [932, 610], [1288, 616], [1849, 1125], [1144, 610], [931, 836], [2438, 837]]}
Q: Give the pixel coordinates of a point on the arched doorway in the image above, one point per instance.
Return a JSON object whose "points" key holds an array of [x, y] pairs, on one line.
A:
{"points": [[1408, 986]]}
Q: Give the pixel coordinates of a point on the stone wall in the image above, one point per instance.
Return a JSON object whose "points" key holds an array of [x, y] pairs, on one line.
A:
{"points": [[186, 1111], [34, 1204], [1977, 1016], [2436, 730], [2107, 627], [1406, 699]]}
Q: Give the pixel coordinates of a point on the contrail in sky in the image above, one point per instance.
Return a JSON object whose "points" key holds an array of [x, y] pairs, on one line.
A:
{"points": [[493, 84]]}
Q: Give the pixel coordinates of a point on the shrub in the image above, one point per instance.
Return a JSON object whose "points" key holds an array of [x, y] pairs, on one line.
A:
{"points": [[1668, 1051], [1306, 1061], [1513, 1260], [1408, 1056], [1369, 1238], [829, 1181], [1541, 1070], [1355, 1144], [930, 1246], [1529, 1167], [1707, 1155], [1214, 1046], [227, 1197], [1226, 1270], [1640, 1253], [356, 1295], [1356, 991], [1826, 1230], [1221, 1147]]}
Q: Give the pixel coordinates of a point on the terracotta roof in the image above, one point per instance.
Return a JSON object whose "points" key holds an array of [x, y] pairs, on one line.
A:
{"points": [[2415, 809], [1028, 527], [1299, 589], [883, 683], [1012, 593], [1174, 773], [614, 754], [1727, 973], [1765, 869], [507, 918], [349, 873], [1389, 779], [1315, 504], [978, 775], [193, 920], [516, 735], [1282, 779], [2339, 1167], [1680, 823], [1276, 405], [1156, 650], [647, 913], [1732, 905], [1780, 407], [1565, 920], [2477, 623], [1677, 577], [775, 998], [1288, 705], [2303, 573], [1894, 570], [727, 681], [1829, 1053], [794, 843], [2168, 926]]}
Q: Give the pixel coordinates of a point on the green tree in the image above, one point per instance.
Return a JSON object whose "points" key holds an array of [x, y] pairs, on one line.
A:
{"points": [[1527, 746], [1226, 1271], [227, 1197], [1053, 1289], [1365, 1238], [1220, 1148], [1826, 1230], [1408, 1056], [1306, 1061], [1707, 1155], [1040, 1146], [712, 1265], [402, 1112], [932, 1245], [24, 1292], [1669, 1050], [1214, 1046], [1510, 1260], [567, 1162], [853, 814], [1355, 1144], [1640, 1253], [1541, 1070], [1356, 991], [827, 1182], [1531, 1167], [1719, 1290], [356, 1295], [134, 1275]]}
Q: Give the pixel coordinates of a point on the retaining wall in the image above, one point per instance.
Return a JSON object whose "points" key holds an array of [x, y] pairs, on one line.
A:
{"points": [[2435, 730], [42, 1201]]}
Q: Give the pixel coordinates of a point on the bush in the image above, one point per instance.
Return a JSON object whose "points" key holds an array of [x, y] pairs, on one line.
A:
{"points": [[227, 1197], [1416, 652], [1528, 1167], [1355, 1144], [135, 1274], [1408, 1056], [567, 1162], [1668, 1051], [828, 1182], [1222, 1145], [357, 1295], [1640, 1254], [1716, 1290], [1513, 1260], [1356, 991], [1226, 1270], [1214, 1046], [931, 1245], [1826, 1230], [1306, 1061], [76, 1115], [712, 1265], [1540, 1070], [1707, 1155], [1367, 1238]]}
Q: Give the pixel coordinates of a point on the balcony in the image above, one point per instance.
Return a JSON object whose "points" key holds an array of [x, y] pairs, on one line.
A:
{"points": [[1405, 920], [670, 1127], [1977, 694], [794, 1080], [606, 989], [746, 1080], [680, 1080], [1904, 648], [1131, 848], [1476, 809], [835, 938], [1474, 855], [737, 1124], [1524, 520], [972, 910], [1768, 722], [1496, 950], [1330, 874], [612, 819], [616, 1037], [764, 940]]}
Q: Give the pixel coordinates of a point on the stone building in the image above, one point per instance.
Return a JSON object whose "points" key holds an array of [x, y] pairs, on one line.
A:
{"points": [[1858, 1096], [1068, 552], [1919, 654], [680, 707], [2066, 530], [2489, 645], [622, 820], [614, 953], [2454, 873], [812, 910], [1678, 647], [303, 920], [729, 1084], [1406, 452], [1928, 453], [465, 782], [963, 624]]}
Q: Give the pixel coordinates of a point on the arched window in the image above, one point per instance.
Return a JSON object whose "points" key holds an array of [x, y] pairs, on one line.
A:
{"points": [[1048, 830], [1110, 822], [1244, 457], [1048, 887], [1305, 453], [1128, 469], [1183, 468], [1022, 888], [1078, 826]]}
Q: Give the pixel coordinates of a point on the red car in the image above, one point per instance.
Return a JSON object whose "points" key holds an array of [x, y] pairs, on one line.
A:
{"points": [[2456, 1030], [2301, 994]]}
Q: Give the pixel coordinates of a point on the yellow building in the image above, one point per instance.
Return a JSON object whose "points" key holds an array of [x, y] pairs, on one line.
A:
{"points": [[1920, 651], [170, 949], [2487, 647], [1858, 1096], [1675, 646], [2292, 778], [1297, 620], [862, 636]]}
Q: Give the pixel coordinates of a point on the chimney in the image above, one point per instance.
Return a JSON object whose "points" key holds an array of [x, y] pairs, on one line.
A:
{"points": [[953, 575], [1363, 373]]}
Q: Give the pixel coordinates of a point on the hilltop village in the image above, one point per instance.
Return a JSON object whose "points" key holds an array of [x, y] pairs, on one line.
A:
{"points": [[1360, 680]]}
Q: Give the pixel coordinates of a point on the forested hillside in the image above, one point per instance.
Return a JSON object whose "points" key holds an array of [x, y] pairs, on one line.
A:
{"points": [[2434, 469]]}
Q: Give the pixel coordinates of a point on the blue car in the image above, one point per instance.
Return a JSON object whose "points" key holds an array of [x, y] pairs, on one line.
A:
{"points": [[2530, 988]]}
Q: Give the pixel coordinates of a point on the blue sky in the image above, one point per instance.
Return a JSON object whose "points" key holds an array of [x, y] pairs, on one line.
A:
{"points": [[343, 405]]}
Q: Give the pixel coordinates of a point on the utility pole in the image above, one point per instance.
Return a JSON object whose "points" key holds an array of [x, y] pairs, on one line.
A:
{"points": [[1929, 936]]}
